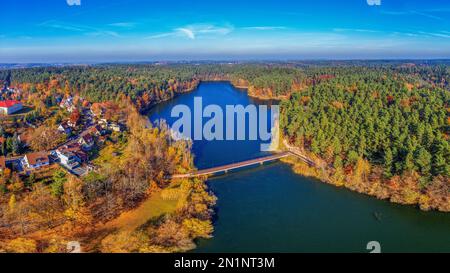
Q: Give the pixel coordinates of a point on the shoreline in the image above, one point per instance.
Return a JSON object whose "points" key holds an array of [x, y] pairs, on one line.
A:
{"points": [[145, 110], [246, 89], [325, 175]]}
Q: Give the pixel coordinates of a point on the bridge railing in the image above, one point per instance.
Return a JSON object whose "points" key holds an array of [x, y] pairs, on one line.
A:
{"points": [[245, 163]]}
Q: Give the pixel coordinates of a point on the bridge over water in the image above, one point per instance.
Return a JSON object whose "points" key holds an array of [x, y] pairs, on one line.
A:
{"points": [[245, 163]]}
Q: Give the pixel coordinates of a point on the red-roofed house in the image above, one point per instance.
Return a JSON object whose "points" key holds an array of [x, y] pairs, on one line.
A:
{"points": [[8, 107]]}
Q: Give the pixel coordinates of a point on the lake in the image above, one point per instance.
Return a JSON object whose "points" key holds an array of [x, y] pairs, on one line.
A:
{"points": [[269, 208]]}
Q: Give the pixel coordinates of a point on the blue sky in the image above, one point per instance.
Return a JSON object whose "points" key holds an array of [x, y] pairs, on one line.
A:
{"points": [[133, 30]]}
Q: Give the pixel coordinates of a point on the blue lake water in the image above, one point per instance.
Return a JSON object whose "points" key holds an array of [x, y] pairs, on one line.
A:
{"points": [[269, 208]]}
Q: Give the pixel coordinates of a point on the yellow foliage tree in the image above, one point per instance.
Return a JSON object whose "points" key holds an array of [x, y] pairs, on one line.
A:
{"points": [[22, 245], [198, 228]]}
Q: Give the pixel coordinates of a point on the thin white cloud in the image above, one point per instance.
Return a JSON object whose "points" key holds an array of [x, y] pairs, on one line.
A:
{"points": [[87, 30], [210, 29], [441, 34], [186, 32], [162, 35], [411, 12], [193, 31], [57, 25], [264, 28], [103, 33], [356, 30], [123, 24], [428, 15]]}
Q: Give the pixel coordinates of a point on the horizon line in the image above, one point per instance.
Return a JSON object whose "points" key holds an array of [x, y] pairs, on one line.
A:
{"points": [[234, 60]]}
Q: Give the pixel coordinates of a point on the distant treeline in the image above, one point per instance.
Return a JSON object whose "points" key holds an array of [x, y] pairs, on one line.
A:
{"points": [[147, 84]]}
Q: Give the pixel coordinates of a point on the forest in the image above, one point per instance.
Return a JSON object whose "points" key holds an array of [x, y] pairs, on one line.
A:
{"points": [[380, 131], [379, 128]]}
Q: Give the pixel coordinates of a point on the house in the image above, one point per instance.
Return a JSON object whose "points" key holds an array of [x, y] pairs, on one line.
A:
{"points": [[9, 91], [67, 104], [115, 127], [2, 163], [71, 108], [72, 123], [74, 119], [35, 160], [86, 142], [74, 149], [103, 123], [65, 128], [9, 107], [98, 130], [68, 158]]}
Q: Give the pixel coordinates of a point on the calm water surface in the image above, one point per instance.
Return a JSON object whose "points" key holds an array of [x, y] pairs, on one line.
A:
{"points": [[271, 209]]}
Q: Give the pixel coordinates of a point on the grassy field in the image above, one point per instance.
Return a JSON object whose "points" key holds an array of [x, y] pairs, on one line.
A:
{"points": [[152, 208]]}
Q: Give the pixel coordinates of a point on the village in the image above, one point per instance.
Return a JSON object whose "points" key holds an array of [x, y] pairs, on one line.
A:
{"points": [[75, 159], [82, 129]]}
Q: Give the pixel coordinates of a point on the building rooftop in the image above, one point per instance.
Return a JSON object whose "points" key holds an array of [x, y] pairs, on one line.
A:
{"points": [[8, 103], [70, 148], [88, 138], [37, 158]]}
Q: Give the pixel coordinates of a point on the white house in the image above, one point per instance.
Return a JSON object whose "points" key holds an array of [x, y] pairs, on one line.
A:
{"points": [[35, 160], [68, 159], [68, 104], [65, 128], [9, 107]]}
